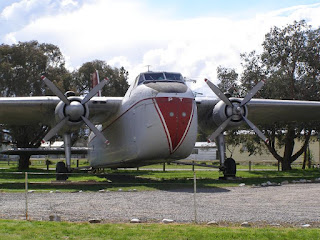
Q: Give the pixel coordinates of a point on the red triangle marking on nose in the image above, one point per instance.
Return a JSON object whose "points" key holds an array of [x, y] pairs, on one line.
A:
{"points": [[175, 114]]}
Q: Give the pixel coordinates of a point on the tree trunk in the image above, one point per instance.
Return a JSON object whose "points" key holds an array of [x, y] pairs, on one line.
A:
{"points": [[288, 150], [304, 159], [24, 162]]}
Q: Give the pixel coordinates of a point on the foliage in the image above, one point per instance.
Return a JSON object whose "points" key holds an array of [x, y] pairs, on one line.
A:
{"points": [[21, 66], [290, 64], [117, 78]]}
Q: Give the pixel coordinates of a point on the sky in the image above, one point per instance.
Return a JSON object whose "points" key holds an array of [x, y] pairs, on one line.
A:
{"points": [[191, 37]]}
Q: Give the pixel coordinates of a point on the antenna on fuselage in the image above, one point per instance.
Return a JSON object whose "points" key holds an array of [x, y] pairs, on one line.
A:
{"points": [[148, 66]]}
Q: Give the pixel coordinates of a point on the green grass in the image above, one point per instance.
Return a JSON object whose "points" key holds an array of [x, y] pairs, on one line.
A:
{"points": [[11, 229], [142, 180]]}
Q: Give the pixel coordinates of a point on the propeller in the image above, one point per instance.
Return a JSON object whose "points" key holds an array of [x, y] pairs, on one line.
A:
{"points": [[73, 110], [235, 110]]}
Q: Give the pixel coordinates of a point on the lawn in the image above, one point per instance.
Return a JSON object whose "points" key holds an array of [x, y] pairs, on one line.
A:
{"points": [[13, 229], [142, 180]]}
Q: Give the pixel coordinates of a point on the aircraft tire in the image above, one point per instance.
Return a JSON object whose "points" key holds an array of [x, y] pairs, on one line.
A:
{"points": [[61, 168], [230, 168]]}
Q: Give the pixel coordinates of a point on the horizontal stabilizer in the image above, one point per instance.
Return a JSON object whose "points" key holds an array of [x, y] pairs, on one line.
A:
{"points": [[44, 151]]}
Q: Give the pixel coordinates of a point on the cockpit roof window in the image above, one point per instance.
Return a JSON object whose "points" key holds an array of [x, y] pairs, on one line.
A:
{"points": [[160, 77]]}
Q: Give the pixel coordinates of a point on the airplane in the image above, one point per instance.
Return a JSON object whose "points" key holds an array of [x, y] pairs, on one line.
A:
{"points": [[156, 121]]}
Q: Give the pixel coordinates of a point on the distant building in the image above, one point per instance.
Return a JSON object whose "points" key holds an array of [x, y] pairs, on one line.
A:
{"points": [[203, 151]]}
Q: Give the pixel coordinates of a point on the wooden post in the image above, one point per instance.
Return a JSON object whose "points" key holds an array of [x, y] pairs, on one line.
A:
{"points": [[250, 166], [26, 193], [164, 167], [77, 163], [194, 196]]}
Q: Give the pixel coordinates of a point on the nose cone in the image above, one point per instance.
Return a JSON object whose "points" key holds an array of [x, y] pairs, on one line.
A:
{"points": [[75, 110], [176, 114]]}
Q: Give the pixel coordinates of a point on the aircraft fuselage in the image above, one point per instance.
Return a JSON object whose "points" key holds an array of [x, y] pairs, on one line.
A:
{"points": [[156, 122]]}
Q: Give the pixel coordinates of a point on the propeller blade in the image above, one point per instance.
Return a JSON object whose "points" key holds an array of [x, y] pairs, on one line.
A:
{"points": [[219, 130], [255, 129], [95, 130], [94, 91], [252, 92], [56, 129], [218, 92], [55, 90]]}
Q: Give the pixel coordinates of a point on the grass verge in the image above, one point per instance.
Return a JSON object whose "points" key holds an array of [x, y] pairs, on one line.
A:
{"points": [[13, 229]]}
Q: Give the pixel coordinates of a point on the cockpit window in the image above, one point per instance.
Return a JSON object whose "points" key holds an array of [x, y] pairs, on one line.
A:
{"points": [[174, 76], [154, 76], [160, 77]]}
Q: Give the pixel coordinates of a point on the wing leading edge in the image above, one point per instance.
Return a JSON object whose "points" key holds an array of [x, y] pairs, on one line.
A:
{"points": [[264, 111], [34, 110]]}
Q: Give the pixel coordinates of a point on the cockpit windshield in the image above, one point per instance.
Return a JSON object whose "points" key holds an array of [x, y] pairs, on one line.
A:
{"points": [[160, 77]]}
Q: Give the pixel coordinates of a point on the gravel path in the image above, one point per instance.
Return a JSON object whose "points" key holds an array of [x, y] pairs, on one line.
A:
{"points": [[291, 204]]}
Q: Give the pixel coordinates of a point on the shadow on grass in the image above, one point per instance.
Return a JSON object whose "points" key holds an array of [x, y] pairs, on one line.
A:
{"points": [[178, 181]]}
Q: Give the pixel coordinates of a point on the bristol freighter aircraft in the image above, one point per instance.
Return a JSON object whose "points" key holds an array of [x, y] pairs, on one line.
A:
{"points": [[156, 121]]}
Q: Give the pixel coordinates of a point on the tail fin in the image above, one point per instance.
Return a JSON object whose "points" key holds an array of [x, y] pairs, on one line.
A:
{"points": [[95, 81]]}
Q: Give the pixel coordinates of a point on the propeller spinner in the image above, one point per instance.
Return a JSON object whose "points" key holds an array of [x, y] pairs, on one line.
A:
{"points": [[234, 110]]}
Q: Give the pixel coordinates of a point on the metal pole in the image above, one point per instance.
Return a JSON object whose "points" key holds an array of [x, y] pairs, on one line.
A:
{"points": [[26, 193], [194, 196], [67, 149]]}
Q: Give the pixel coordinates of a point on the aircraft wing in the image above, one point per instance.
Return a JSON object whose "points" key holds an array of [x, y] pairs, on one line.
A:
{"points": [[264, 111], [30, 110], [261, 111]]}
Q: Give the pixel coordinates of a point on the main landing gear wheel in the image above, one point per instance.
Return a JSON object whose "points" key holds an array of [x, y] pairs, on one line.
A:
{"points": [[61, 171], [230, 168]]}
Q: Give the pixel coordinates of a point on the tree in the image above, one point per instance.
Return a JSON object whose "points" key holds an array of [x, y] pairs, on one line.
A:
{"points": [[290, 64], [81, 82], [117, 78], [21, 66]]}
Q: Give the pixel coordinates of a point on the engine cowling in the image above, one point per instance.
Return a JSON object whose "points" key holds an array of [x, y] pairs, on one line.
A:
{"points": [[221, 112], [75, 110]]}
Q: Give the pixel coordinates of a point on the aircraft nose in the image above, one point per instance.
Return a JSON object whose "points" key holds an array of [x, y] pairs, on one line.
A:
{"points": [[176, 114]]}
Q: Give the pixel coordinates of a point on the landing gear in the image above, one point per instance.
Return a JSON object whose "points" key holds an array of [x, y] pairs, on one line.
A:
{"points": [[62, 171], [230, 168], [227, 166]]}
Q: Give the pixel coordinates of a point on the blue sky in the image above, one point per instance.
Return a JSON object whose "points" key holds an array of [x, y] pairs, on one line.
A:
{"points": [[230, 8], [191, 37]]}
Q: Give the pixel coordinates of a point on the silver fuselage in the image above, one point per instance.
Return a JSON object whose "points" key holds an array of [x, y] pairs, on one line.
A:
{"points": [[156, 122]]}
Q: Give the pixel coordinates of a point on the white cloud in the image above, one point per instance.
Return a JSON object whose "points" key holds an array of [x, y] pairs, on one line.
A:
{"points": [[127, 33]]}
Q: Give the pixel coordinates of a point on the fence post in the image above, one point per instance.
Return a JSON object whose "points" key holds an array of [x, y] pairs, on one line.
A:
{"points": [[26, 193], [164, 167], [194, 196], [249, 166]]}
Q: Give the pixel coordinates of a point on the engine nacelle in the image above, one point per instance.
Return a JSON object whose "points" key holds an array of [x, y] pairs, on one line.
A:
{"points": [[221, 112], [75, 110]]}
